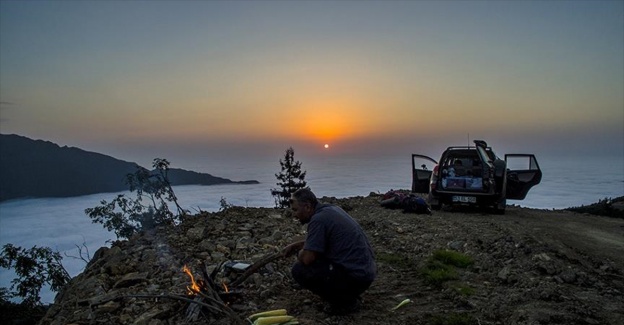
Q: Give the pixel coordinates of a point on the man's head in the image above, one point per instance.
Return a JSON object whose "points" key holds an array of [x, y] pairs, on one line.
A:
{"points": [[303, 203]]}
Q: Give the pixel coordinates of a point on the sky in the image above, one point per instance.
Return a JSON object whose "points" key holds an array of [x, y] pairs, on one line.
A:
{"points": [[139, 79]]}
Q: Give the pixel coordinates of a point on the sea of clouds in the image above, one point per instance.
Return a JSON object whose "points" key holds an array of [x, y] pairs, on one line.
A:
{"points": [[60, 223]]}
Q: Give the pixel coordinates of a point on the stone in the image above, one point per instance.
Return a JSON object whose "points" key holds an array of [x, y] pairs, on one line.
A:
{"points": [[568, 276], [457, 245], [504, 273], [195, 234], [207, 245], [266, 240], [150, 315], [277, 235], [223, 249], [131, 279], [108, 307]]}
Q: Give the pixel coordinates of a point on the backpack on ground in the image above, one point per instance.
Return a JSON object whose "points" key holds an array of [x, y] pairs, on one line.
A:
{"points": [[410, 203]]}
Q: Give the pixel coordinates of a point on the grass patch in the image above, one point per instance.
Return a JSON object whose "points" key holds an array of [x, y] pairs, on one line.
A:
{"points": [[453, 319], [436, 272], [394, 260], [452, 258], [441, 266], [463, 289]]}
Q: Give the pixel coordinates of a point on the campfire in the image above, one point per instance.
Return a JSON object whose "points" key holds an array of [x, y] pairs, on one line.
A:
{"points": [[208, 297], [207, 285]]}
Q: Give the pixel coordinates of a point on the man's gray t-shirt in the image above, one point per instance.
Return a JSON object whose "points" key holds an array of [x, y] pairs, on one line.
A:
{"points": [[340, 239]]}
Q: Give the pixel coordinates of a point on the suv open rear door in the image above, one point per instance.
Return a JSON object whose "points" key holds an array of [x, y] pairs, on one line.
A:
{"points": [[421, 174], [523, 172]]}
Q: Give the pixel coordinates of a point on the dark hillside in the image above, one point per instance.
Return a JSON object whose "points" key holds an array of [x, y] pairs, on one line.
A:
{"points": [[181, 177], [37, 168]]}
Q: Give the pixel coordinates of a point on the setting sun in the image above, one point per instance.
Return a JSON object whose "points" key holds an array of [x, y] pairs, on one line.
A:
{"points": [[326, 146]]}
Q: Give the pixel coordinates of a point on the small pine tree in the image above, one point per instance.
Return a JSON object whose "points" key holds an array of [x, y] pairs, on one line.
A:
{"points": [[290, 179]]}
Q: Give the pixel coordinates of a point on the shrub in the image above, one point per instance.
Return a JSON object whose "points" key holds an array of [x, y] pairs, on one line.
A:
{"points": [[34, 267], [224, 205], [20, 313], [606, 207], [127, 216]]}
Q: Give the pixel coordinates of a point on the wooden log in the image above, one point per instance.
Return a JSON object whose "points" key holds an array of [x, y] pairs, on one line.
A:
{"points": [[255, 267], [193, 310]]}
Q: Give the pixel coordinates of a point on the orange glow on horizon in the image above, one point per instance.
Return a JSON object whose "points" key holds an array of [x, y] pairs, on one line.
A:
{"points": [[326, 122]]}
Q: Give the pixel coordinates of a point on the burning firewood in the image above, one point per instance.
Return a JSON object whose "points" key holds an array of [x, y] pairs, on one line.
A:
{"points": [[206, 293]]}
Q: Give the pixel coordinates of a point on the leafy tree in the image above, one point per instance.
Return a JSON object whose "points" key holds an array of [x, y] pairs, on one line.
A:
{"points": [[290, 179], [34, 268], [126, 216]]}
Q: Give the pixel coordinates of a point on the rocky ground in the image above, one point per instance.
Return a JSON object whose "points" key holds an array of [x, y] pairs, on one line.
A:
{"points": [[529, 267]]}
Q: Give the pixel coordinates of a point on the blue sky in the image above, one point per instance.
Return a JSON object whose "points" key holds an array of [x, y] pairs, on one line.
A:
{"points": [[128, 78]]}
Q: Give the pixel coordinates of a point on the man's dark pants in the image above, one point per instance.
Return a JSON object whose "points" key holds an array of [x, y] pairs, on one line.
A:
{"points": [[330, 282]]}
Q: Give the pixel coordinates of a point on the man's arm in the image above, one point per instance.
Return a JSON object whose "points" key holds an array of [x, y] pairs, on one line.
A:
{"points": [[304, 256], [292, 249], [307, 257]]}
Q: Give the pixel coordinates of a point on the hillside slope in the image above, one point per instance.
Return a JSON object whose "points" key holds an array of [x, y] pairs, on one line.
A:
{"points": [[530, 267], [37, 168]]}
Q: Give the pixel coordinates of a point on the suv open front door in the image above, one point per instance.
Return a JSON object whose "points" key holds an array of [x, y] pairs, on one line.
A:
{"points": [[420, 173], [523, 173]]}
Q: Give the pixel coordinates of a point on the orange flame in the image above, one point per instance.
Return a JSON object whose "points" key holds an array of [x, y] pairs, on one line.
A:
{"points": [[194, 286]]}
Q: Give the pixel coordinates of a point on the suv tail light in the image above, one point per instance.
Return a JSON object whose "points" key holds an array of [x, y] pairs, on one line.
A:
{"points": [[433, 184]]}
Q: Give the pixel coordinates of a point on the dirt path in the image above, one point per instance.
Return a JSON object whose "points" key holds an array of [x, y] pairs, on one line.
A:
{"points": [[593, 236]]}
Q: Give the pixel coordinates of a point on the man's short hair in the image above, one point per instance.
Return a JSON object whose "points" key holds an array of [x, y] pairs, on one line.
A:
{"points": [[304, 195]]}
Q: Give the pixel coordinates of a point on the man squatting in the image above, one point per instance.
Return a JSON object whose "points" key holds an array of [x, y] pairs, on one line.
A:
{"points": [[336, 260]]}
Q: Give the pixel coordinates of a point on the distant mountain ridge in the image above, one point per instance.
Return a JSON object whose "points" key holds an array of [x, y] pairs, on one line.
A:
{"points": [[38, 168]]}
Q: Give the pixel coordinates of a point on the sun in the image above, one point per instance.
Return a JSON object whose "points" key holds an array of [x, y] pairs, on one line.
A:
{"points": [[326, 146]]}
